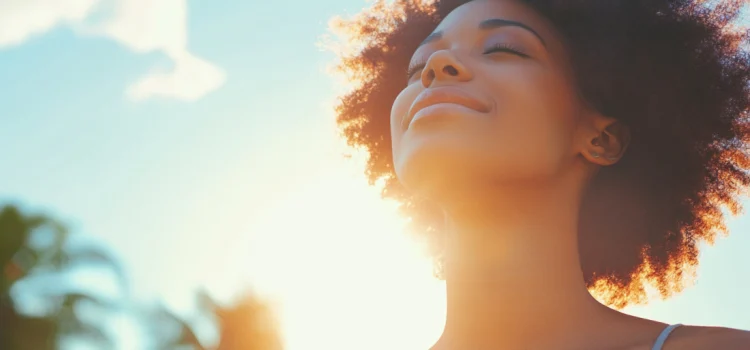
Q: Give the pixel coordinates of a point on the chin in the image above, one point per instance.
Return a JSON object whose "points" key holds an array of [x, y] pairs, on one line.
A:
{"points": [[435, 172]]}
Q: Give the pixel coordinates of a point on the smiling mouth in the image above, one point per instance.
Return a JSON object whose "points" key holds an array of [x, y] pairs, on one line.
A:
{"points": [[444, 95]]}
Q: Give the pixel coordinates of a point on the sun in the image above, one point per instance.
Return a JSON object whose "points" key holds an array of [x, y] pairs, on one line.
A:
{"points": [[334, 258]]}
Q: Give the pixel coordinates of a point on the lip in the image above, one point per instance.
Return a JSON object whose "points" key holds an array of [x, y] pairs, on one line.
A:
{"points": [[444, 94]]}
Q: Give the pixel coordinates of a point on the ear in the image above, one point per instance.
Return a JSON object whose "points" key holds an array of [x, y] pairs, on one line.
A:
{"points": [[605, 141]]}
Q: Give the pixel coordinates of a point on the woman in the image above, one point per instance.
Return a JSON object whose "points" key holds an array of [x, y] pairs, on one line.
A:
{"points": [[551, 148]]}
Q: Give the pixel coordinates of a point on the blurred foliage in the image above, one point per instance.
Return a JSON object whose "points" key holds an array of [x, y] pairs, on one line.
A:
{"points": [[248, 324], [37, 258], [42, 267]]}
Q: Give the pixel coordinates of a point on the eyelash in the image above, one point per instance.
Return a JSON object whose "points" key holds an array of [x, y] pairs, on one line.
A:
{"points": [[413, 69], [506, 48]]}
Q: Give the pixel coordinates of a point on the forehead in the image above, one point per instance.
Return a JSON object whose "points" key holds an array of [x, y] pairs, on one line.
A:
{"points": [[470, 14]]}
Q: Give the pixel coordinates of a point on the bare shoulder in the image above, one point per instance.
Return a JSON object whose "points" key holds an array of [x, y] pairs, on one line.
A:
{"points": [[705, 338]]}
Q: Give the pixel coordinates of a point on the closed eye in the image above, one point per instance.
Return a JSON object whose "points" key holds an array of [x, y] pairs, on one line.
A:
{"points": [[506, 48]]}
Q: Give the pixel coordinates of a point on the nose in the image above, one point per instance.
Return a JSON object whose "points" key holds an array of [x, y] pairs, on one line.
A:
{"points": [[444, 66]]}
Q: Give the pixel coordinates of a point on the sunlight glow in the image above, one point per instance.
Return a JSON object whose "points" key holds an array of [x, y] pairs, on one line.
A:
{"points": [[336, 258]]}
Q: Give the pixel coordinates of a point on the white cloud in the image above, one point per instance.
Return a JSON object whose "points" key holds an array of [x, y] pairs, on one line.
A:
{"points": [[21, 19], [190, 79], [141, 25]]}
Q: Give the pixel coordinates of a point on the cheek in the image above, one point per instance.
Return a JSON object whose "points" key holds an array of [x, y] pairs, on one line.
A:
{"points": [[399, 109], [532, 131]]}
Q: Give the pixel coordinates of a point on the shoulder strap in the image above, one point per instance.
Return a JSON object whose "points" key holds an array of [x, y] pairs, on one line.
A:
{"points": [[659, 343]]}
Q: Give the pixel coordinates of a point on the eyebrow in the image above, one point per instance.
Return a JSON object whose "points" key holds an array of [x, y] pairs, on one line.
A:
{"points": [[487, 25]]}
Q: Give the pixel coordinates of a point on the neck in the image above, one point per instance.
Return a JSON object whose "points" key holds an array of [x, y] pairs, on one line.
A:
{"points": [[512, 270]]}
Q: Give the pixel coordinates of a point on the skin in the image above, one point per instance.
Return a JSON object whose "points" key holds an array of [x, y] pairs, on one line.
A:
{"points": [[503, 143]]}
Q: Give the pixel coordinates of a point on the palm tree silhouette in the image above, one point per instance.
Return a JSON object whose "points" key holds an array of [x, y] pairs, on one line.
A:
{"points": [[38, 271], [41, 271]]}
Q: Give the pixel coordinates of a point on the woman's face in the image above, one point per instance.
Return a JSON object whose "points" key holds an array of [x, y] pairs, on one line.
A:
{"points": [[491, 99]]}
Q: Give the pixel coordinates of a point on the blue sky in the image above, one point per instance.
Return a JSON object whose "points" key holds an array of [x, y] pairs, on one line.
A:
{"points": [[187, 184], [122, 168]]}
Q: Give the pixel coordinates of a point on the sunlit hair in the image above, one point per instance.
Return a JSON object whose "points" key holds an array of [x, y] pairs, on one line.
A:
{"points": [[673, 71]]}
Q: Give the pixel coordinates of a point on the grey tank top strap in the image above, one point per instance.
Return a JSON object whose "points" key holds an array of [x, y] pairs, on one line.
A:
{"points": [[659, 343]]}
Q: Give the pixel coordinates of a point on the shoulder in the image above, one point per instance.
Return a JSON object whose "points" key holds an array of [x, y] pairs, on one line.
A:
{"points": [[705, 338]]}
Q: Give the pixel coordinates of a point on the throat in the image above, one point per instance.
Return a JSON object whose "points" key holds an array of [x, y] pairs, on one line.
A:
{"points": [[511, 276]]}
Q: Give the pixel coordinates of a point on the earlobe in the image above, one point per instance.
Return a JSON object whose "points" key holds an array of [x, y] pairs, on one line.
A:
{"points": [[597, 155]]}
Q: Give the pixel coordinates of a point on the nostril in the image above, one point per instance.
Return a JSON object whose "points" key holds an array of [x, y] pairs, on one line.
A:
{"points": [[450, 70], [431, 75]]}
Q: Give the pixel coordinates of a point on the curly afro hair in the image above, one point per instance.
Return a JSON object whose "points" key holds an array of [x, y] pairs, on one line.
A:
{"points": [[674, 71]]}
